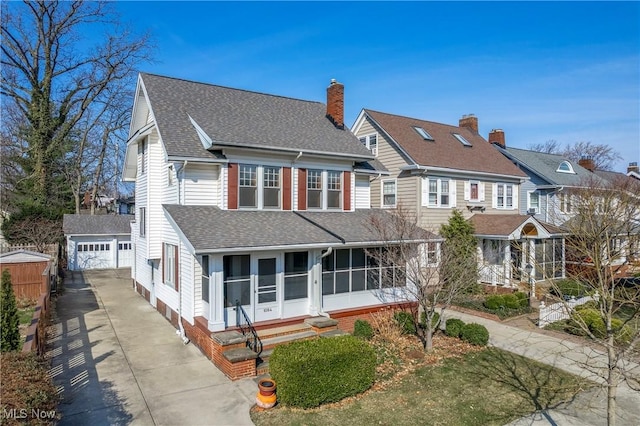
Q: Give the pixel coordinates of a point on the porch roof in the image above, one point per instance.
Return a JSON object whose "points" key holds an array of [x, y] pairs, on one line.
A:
{"points": [[209, 229], [505, 225]]}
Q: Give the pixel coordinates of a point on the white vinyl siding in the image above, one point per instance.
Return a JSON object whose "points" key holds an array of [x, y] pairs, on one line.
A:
{"points": [[201, 185], [362, 192]]}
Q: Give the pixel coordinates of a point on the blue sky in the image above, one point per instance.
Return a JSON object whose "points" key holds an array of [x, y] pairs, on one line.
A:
{"points": [[564, 71]]}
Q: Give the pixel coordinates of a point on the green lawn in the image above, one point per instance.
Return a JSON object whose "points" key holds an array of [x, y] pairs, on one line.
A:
{"points": [[489, 387]]}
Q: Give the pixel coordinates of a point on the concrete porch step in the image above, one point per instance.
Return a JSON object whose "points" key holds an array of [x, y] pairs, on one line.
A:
{"points": [[271, 342], [285, 330]]}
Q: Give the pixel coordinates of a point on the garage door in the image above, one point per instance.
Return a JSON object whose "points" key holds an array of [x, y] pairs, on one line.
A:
{"points": [[125, 254], [94, 255]]}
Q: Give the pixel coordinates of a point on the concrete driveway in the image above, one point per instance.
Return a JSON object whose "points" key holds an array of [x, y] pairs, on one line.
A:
{"points": [[115, 360]]}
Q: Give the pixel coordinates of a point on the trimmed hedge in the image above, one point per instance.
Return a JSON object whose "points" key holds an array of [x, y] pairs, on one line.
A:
{"points": [[494, 302], [314, 372], [523, 298], [476, 334], [453, 327], [362, 329]]}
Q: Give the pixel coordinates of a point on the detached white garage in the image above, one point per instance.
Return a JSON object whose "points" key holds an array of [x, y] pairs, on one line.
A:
{"points": [[98, 241]]}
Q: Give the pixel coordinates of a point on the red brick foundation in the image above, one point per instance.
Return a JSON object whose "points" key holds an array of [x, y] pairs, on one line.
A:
{"points": [[347, 317]]}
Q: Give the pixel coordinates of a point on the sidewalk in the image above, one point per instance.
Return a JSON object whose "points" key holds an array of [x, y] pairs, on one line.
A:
{"points": [[115, 360], [589, 408]]}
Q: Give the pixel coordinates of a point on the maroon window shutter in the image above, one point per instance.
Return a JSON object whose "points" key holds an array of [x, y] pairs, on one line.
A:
{"points": [[286, 188], [176, 279], [302, 189], [347, 191], [232, 185]]}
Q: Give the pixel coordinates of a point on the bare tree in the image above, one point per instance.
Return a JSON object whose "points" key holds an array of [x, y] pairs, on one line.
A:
{"points": [[52, 81], [603, 156], [549, 147], [603, 247], [423, 269]]}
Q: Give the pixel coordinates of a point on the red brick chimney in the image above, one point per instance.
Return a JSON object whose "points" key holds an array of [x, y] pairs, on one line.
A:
{"points": [[469, 121], [587, 163], [633, 167], [497, 136], [335, 103]]}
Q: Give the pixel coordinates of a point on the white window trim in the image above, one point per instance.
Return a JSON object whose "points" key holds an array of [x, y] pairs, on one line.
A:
{"points": [[367, 142], [325, 190], [169, 265], [142, 230], [514, 196], [438, 205], [569, 166], [529, 207], [395, 194], [467, 191], [260, 187]]}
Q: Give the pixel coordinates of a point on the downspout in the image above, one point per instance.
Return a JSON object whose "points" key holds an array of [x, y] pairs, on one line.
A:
{"points": [[325, 254], [180, 184], [180, 331]]}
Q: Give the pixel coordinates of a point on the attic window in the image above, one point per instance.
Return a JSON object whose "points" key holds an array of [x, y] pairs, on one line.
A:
{"points": [[462, 140], [422, 132], [565, 167]]}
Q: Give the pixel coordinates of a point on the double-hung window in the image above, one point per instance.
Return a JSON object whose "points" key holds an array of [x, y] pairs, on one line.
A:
{"points": [[439, 192], [534, 202], [370, 142], [205, 278], [142, 151], [314, 189], [259, 186], [565, 203], [248, 186], [324, 189], [389, 193], [170, 263], [504, 196]]}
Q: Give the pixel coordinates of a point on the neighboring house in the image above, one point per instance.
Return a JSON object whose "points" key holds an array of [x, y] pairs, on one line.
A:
{"points": [[248, 202], [126, 205], [32, 273], [435, 168], [633, 170], [98, 241]]}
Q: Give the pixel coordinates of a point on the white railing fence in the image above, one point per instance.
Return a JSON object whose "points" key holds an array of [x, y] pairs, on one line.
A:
{"points": [[561, 310]]}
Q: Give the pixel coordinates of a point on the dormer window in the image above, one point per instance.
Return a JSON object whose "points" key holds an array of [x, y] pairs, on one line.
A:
{"points": [[462, 140], [565, 167], [370, 142], [422, 132]]}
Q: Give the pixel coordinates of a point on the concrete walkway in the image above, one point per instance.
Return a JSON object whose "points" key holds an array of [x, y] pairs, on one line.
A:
{"points": [[115, 360], [590, 407]]}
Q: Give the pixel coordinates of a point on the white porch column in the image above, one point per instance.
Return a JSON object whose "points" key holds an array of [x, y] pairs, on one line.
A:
{"points": [[216, 302], [507, 264], [315, 296]]}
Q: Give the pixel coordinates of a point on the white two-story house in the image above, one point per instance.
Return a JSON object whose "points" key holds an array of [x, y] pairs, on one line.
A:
{"points": [[249, 201], [435, 168]]}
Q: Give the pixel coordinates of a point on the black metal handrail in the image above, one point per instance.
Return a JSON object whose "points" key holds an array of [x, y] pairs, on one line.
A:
{"points": [[244, 323]]}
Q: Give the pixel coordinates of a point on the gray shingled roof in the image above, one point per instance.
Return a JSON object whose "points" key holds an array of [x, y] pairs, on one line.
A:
{"points": [[207, 228], [101, 224], [233, 117], [546, 166]]}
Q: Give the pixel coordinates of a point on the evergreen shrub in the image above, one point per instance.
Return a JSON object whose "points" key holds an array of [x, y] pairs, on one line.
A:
{"points": [[310, 373]]}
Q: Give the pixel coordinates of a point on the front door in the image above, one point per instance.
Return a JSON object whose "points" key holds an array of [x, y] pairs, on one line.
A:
{"points": [[267, 289]]}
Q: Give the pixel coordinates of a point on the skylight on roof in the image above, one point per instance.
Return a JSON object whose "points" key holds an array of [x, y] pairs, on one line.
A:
{"points": [[462, 140], [565, 167], [422, 132]]}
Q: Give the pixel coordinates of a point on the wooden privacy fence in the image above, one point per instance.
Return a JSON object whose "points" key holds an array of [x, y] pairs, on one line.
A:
{"points": [[29, 280], [36, 333], [561, 310]]}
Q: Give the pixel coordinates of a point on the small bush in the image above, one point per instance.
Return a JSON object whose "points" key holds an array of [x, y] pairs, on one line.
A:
{"points": [[511, 301], [405, 321], [591, 304], [314, 372], [476, 334], [494, 302], [454, 327], [434, 321], [362, 329], [523, 298]]}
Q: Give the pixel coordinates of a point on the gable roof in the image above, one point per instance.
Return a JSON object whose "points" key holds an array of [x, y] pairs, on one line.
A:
{"points": [[243, 230], [546, 166], [444, 151], [240, 118], [23, 256], [504, 225], [100, 224]]}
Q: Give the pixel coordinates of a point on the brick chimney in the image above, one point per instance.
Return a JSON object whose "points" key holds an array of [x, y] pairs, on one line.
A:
{"points": [[469, 121], [633, 167], [588, 163], [335, 103], [497, 136]]}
